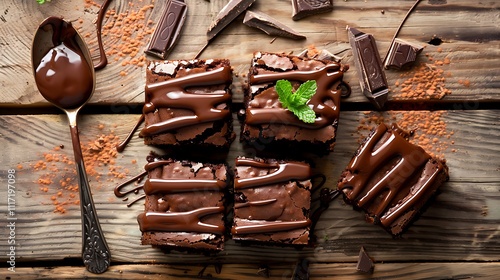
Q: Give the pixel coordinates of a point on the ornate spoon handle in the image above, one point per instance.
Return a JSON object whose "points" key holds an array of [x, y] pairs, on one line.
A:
{"points": [[95, 251]]}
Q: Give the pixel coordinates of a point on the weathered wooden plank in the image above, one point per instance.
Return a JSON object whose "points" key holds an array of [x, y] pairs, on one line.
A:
{"points": [[343, 271], [463, 223], [469, 32]]}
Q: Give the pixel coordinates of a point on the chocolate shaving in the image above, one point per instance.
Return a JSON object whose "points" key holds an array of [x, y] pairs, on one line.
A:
{"points": [[270, 25]]}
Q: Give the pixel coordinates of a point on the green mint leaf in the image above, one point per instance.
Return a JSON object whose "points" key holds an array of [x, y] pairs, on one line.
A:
{"points": [[307, 90], [297, 102], [284, 89], [304, 113]]}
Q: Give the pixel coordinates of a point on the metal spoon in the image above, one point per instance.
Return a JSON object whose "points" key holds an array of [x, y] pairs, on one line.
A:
{"points": [[64, 75]]}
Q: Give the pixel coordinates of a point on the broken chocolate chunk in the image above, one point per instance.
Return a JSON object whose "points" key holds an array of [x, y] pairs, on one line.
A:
{"points": [[232, 10], [369, 67], [270, 25], [168, 29], [365, 263], [305, 8], [402, 54]]}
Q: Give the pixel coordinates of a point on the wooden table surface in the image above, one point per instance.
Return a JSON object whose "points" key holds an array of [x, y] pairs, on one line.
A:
{"points": [[457, 237]]}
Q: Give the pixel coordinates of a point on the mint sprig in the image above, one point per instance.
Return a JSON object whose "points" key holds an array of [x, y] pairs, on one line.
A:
{"points": [[296, 102]]}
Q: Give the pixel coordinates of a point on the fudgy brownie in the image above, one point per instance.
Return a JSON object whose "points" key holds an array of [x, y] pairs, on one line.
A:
{"points": [[184, 207], [268, 126], [187, 105], [391, 179], [272, 201]]}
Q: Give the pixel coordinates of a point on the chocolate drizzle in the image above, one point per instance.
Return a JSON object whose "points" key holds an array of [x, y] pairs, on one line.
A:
{"points": [[388, 194], [165, 186], [286, 172], [180, 221], [173, 94], [328, 78]]}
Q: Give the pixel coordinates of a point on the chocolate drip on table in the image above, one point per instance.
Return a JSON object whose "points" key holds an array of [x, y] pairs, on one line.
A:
{"points": [[328, 80], [286, 172], [172, 93], [103, 61], [368, 160]]}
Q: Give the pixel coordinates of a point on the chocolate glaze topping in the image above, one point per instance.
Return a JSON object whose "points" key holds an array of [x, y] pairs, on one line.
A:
{"points": [[180, 221], [55, 75], [365, 184], [328, 79], [285, 172], [172, 93]]}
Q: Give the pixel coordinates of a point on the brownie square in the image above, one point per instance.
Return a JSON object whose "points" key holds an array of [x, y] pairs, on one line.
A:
{"points": [[188, 104], [391, 179], [271, 201], [185, 205], [268, 126]]}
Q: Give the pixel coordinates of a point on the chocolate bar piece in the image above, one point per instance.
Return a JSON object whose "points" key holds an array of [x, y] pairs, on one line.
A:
{"points": [[365, 263], [232, 10], [402, 54], [369, 66], [391, 179], [168, 29], [305, 8], [270, 25]]}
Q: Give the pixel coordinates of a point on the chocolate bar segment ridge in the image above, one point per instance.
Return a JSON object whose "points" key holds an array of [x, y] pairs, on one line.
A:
{"points": [[168, 29], [270, 25], [369, 66]]}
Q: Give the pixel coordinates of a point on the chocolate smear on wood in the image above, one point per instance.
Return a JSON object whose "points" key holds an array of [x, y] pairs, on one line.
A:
{"points": [[270, 25]]}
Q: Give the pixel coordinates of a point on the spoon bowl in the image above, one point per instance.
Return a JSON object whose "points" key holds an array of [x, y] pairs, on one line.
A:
{"points": [[64, 75]]}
